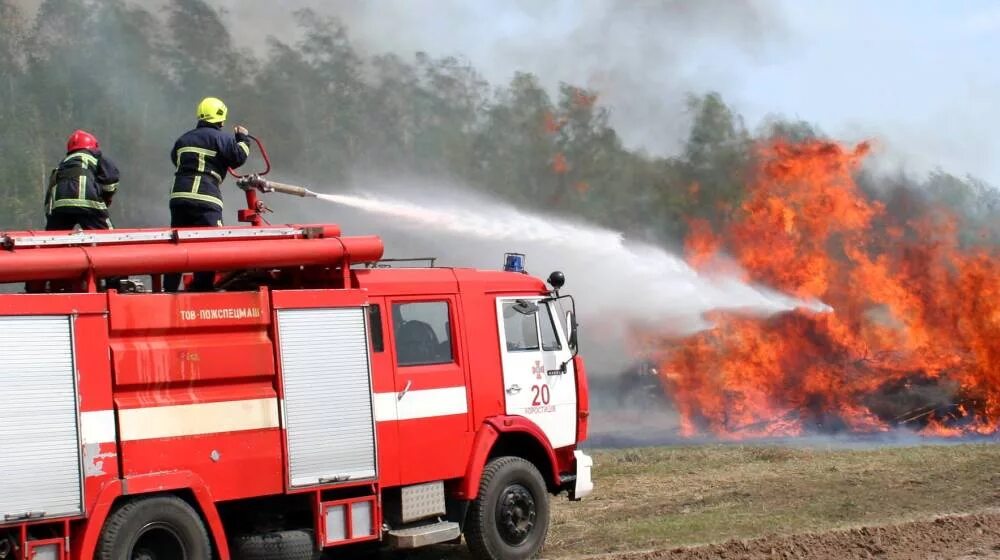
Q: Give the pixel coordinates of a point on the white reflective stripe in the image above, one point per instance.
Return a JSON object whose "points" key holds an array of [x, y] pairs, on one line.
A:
{"points": [[197, 419], [198, 196], [426, 403], [232, 416], [87, 158], [199, 151], [384, 407], [202, 153], [97, 427]]}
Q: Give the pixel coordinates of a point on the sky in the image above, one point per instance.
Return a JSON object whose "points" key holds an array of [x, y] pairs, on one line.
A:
{"points": [[919, 77]]}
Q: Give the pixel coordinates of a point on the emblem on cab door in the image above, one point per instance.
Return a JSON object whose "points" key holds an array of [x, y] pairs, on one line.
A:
{"points": [[538, 370]]}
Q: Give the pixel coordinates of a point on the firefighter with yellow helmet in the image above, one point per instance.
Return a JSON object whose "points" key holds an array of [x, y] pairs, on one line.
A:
{"points": [[202, 157]]}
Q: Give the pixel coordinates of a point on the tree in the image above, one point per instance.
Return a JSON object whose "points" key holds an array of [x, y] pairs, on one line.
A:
{"points": [[715, 160]]}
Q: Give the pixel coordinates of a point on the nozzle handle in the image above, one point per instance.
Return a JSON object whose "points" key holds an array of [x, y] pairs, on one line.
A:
{"points": [[263, 153]]}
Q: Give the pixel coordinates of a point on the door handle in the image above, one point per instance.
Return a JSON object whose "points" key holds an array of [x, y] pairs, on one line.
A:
{"points": [[513, 389], [405, 390]]}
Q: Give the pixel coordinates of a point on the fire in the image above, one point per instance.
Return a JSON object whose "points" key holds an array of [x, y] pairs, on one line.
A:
{"points": [[914, 338]]}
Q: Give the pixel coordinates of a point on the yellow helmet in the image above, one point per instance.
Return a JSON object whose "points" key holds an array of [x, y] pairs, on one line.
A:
{"points": [[212, 109]]}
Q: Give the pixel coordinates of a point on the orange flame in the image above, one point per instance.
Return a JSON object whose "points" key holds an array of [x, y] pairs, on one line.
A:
{"points": [[551, 124], [559, 164], [914, 338]]}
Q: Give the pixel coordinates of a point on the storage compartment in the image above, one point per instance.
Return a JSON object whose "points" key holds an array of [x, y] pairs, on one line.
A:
{"points": [[42, 476], [327, 408]]}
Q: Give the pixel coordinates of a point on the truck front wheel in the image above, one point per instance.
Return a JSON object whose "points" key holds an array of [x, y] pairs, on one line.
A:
{"points": [[510, 517], [158, 528]]}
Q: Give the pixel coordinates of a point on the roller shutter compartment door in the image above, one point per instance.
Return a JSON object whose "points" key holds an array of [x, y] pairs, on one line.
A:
{"points": [[327, 388], [40, 473]]}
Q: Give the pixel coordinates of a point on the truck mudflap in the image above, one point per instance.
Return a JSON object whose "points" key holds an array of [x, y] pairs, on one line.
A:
{"points": [[583, 484]]}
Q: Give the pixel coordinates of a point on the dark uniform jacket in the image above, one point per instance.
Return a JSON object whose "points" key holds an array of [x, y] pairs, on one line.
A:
{"points": [[84, 182], [202, 157]]}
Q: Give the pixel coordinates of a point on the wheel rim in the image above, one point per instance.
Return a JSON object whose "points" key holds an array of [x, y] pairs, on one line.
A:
{"points": [[516, 514], [157, 541]]}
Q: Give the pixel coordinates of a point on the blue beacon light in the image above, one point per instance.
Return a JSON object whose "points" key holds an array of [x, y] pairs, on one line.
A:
{"points": [[513, 262]]}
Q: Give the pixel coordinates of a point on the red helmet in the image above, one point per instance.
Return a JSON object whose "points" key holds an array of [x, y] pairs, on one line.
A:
{"points": [[82, 140]]}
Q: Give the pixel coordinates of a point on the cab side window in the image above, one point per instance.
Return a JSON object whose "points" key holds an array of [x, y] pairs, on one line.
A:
{"points": [[520, 329], [423, 333], [550, 342]]}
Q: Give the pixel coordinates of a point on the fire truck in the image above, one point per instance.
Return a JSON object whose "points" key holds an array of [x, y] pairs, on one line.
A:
{"points": [[312, 401]]}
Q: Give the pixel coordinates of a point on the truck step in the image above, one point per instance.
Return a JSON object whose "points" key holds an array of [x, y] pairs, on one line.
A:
{"points": [[423, 535]]}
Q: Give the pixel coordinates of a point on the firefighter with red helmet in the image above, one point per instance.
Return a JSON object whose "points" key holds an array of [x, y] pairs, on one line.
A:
{"points": [[202, 157], [81, 187]]}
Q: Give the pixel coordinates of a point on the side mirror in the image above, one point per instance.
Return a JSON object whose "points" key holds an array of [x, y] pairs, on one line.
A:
{"points": [[571, 329], [525, 307]]}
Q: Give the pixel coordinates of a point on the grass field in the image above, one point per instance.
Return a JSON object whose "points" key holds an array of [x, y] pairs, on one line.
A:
{"points": [[657, 498]]}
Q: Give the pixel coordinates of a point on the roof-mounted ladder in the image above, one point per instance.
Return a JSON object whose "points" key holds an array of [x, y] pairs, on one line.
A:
{"points": [[78, 238]]}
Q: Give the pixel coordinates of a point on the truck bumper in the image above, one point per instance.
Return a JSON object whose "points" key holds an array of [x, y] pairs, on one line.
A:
{"points": [[584, 485]]}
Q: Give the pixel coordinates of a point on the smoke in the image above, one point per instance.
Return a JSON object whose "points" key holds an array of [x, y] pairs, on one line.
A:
{"points": [[642, 56], [617, 284]]}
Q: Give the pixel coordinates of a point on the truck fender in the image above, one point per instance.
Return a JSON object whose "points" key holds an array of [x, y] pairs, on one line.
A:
{"points": [[155, 483], [95, 522], [487, 436]]}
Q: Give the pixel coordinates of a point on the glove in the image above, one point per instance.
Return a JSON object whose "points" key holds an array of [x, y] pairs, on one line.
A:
{"points": [[241, 131]]}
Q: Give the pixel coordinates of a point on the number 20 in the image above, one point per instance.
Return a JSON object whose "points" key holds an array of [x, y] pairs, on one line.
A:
{"points": [[542, 395]]}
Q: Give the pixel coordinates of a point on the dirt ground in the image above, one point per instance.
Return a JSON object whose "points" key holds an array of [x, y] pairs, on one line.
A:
{"points": [[966, 537], [821, 500], [972, 537]]}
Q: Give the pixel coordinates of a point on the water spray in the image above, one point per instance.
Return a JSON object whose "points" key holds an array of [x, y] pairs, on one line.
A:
{"points": [[673, 291]]}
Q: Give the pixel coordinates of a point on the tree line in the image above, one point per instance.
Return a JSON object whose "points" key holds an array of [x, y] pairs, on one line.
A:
{"points": [[328, 111]]}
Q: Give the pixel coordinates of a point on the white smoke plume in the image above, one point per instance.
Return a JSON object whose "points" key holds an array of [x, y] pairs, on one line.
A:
{"points": [[643, 56]]}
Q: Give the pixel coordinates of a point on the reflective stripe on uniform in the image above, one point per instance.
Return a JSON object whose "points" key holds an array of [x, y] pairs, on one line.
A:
{"points": [[77, 203], [193, 150], [243, 146], [202, 153], [87, 158], [113, 187], [197, 196], [81, 193]]}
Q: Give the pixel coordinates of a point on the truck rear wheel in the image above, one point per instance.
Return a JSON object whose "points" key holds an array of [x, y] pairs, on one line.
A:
{"points": [[510, 518], [159, 528], [279, 545]]}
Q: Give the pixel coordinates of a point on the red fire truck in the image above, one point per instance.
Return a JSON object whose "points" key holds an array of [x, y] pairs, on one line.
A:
{"points": [[311, 402]]}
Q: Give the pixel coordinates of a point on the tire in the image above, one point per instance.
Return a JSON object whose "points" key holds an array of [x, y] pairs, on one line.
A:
{"points": [[510, 517], [277, 545], [159, 528]]}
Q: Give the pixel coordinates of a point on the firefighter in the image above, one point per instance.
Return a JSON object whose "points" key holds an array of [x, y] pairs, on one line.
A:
{"points": [[81, 187], [203, 156]]}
